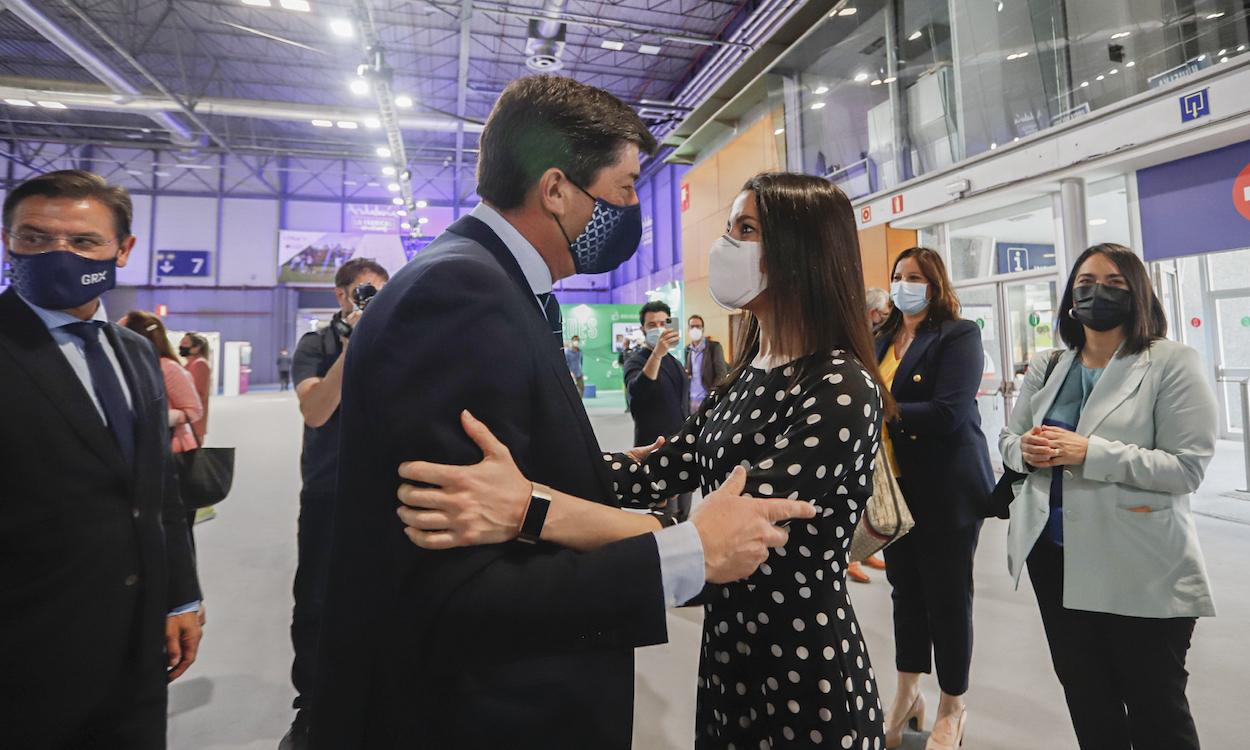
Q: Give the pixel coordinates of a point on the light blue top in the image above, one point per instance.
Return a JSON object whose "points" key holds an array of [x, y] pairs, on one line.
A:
{"points": [[1065, 413], [73, 349], [681, 549]]}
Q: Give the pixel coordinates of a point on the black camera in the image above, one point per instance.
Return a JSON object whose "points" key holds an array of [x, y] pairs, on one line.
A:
{"points": [[362, 294]]}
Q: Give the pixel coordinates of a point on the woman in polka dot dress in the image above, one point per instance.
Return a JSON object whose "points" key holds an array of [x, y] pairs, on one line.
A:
{"points": [[783, 660]]}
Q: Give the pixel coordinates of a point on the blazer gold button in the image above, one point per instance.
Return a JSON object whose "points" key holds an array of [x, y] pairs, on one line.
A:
{"points": [[131, 579], [916, 378], [913, 437]]}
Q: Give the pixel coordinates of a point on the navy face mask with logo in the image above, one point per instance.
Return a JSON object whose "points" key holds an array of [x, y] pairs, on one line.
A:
{"points": [[60, 279], [610, 238]]}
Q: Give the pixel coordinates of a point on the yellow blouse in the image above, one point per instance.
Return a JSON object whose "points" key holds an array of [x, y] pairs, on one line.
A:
{"points": [[889, 367]]}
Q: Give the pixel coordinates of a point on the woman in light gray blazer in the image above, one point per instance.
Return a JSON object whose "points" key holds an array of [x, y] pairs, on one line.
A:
{"points": [[1114, 434]]}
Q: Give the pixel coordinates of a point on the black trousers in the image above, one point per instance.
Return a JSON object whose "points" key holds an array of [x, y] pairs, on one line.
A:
{"points": [[134, 718], [1124, 677], [284, 378], [316, 513], [931, 572]]}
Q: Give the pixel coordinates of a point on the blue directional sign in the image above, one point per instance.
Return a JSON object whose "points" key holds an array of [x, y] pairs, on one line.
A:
{"points": [[1195, 105], [193, 263]]}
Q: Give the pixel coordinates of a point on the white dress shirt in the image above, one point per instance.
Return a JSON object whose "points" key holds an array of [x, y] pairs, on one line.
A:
{"points": [[680, 548]]}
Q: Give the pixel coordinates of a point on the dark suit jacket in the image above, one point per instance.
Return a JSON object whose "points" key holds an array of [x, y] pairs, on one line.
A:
{"points": [[938, 443], [660, 406], [93, 554], [509, 645], [714, 365]]}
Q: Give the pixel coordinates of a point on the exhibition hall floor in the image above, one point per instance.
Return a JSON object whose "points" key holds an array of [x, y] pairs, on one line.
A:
{"points": [[238, 695]]}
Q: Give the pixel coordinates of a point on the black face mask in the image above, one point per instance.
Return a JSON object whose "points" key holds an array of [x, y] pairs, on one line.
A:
{"points": [[1101, 307], [184, 351]]}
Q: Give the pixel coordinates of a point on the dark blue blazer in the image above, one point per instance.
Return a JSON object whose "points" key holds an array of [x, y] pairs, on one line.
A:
{"points": [[498, 646], [938, 443]]}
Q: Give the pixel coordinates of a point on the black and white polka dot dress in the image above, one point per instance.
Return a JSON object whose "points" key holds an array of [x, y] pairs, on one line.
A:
{"points": [[783, 661]]}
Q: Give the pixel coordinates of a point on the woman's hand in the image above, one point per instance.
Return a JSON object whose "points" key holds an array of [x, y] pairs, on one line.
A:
{"points": [[1069, 447], [1035, 449], [640, 453], [479, 504]]}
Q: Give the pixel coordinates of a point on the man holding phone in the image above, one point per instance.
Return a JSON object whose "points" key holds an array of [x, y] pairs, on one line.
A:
{"points": [[659, 391]]}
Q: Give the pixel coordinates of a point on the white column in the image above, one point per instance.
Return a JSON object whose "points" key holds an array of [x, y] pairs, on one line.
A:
{"points": [[1071, 205]]}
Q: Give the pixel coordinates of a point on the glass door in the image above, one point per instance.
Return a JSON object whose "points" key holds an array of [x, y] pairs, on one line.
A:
{"points": [[981, 306], [1030, 323], [1232, 321]]}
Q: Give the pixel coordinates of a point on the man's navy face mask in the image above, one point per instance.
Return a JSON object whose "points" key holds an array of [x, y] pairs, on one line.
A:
{"points": [[60, 279], [609, 239]]}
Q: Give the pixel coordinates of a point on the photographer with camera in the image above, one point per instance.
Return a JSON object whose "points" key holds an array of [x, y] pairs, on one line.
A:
{"points": [[318, 375]]}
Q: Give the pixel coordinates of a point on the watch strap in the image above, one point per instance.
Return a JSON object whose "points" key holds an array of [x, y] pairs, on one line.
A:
{"points": [[535, 516]]}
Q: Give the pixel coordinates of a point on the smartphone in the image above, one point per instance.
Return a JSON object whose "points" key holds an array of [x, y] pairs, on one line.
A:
{"points": [[670, 324]]}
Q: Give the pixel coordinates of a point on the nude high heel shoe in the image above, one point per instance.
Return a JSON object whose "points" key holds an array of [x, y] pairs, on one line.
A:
{"points": [[914, 717], [948, 732]]}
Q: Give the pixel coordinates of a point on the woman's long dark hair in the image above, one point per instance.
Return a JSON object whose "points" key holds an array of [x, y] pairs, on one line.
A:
{"points": [[943, 302], [1147, 323], [151, 328], [815, 276]]}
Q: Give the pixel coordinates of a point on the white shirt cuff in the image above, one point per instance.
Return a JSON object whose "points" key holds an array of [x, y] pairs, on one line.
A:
{"points": [[681, 563]]}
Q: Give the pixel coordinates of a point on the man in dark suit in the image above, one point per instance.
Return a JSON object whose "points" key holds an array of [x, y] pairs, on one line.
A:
{"points": [[705, 363], [98, 593], [508, 645]]}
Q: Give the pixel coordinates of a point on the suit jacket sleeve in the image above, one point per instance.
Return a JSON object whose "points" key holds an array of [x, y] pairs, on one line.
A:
{"points": [[957, 368], [720, 366], [183, 583], [415, 378], [1184, 415]]}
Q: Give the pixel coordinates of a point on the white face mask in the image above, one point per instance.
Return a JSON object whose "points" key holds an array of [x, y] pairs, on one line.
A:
{"points": [[734, 275], [696, 335]]}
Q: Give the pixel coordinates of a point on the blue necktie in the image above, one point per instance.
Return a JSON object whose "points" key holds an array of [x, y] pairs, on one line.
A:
{"points": [[108, 388], [551, 308]]}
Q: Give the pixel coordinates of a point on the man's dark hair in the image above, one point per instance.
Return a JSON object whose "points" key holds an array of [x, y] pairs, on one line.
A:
{"points": [[74, 183], [547, 121], [692, 318], [576, 337], [653, 306], [351, 270]]}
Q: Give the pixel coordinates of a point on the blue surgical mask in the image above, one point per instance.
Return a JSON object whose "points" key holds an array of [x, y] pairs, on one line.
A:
{"points": [[60, 279], [653, 337], [910, 297], [610, 238]]}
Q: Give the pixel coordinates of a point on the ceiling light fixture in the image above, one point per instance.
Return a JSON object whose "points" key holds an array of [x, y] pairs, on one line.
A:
{"points": [[393, 187], [19, 102], [405, 225], [891, 79], [404, 101], [861, 77], [820, 90], [257, 3], [397, 201], [1084, 84], [649, 49], [612, 44], [818, 105], [423, 220], [323, 123], [389, 171], [1113, 71], [1241, 48], [1097, 222], [1213, 16], [779, 131], [400, 212], [875, 82], [915, 35], [342, 27], [1130, 64], [300, 5], [1100, 77], [373, 123], [51, 105], [1121, 35], [422, 204], [1222, 52], [383, 152], [848, 11], [359, 86], [993, 146], [1224, 59], [347, 124]]}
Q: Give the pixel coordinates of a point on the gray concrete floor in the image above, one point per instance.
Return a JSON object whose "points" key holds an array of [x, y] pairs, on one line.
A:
{"points": [[238, 695]]}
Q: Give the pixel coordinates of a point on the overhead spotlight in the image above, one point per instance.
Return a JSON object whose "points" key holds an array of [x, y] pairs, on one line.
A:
{"points": [[389, 171], [393, 187], [915, 35], [342, 27], [373, 123], [323, 123], [383, 152], [612, 44], [423, 220], [875, 82], [820, 90], [1100, 77], [347, 124], [19, 102], [400, 212], [1241, 48], [1224, 59], [405, 175], [422, 204], [1113, 71], [1213, 16], [51, 105], [861, 77], [1097, 222], [891, 79], [993, 146], [1130, 64], [848, 11], [300, 5], [359, 86], [1084, 84], [404, 101], [1221, 53], [258, 3], [1121, 35], [405, 225], [649, 49], [397, 201], [818, 105], [779, 131]]}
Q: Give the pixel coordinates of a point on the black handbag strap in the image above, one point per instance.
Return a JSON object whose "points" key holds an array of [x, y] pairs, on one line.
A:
{"points": [[1050, 364]]}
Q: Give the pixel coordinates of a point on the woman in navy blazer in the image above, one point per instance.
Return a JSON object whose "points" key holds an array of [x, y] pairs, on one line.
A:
{"points": [[933, 361]]}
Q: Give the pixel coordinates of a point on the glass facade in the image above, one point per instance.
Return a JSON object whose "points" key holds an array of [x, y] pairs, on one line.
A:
{"points": [[886, 90], [1013, 239]]}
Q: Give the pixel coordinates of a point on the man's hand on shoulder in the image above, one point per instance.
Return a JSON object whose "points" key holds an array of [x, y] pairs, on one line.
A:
{"points": [[738, 530]]}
